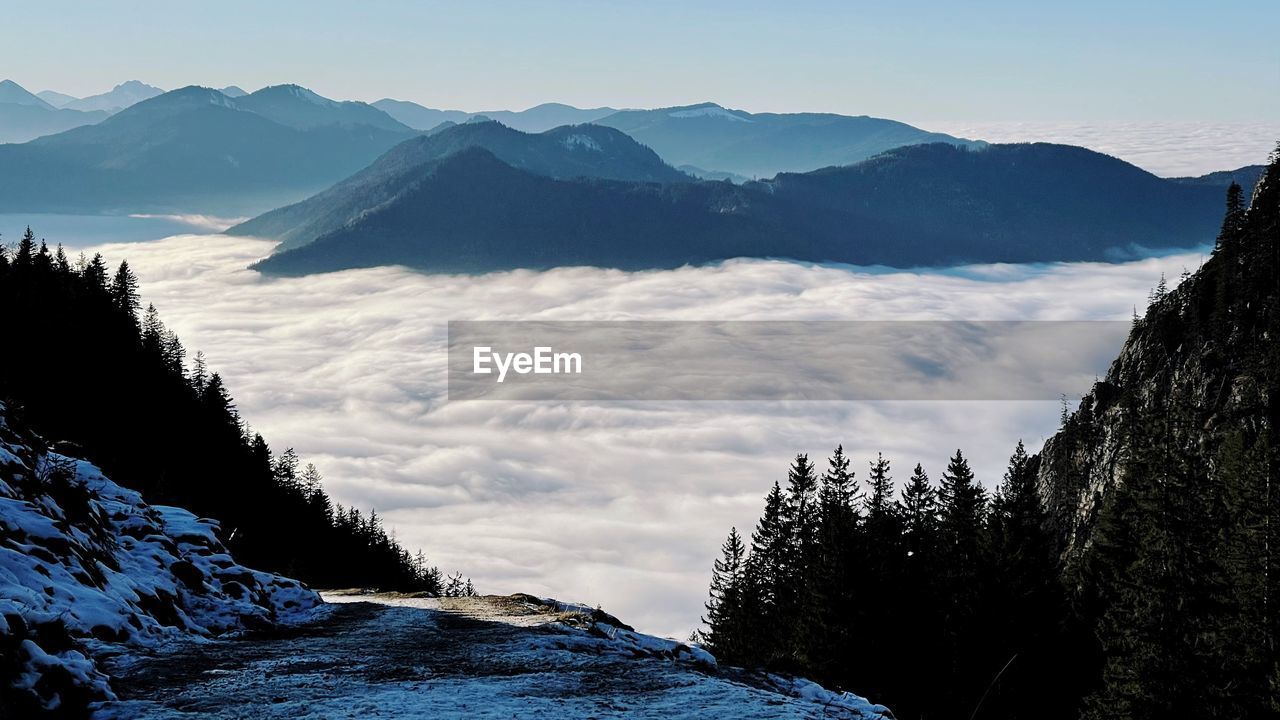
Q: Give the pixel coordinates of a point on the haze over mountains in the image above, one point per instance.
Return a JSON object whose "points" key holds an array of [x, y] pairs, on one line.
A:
{"points": [[24, 116], [535, 119], [584, 151], [118, 98], [465, 192], [480, 197], [196, 149], [716, 139], [707, 139]]}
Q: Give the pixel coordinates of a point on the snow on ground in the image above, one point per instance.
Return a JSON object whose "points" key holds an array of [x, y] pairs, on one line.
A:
{"points": [[374, 656], [89, 571]]}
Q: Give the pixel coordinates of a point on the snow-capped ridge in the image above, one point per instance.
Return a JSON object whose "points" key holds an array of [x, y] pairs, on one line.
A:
{"points": [[709, 110]]}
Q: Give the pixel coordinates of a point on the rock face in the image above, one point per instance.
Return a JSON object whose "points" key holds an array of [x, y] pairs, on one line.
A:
{"points": [[89, 571], [1206, 353]]}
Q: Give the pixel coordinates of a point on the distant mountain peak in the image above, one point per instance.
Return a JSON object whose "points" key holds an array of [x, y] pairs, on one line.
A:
{"points": [[56, 98], [14, 94], [299, 92], [197, 92], [124, 95], [301, 107], [710, 110]]}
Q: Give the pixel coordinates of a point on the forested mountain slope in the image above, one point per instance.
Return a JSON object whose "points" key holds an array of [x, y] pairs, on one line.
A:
{"points": [[1129, 570], [453, 203], [86, 370]]}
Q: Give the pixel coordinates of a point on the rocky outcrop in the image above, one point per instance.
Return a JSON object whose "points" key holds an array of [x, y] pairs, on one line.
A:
{"points": [[1204, 358], [88, 571]]}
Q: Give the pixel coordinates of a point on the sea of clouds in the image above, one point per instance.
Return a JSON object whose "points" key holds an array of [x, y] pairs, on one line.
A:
{"points": [[618, 504], [1168, 149]]}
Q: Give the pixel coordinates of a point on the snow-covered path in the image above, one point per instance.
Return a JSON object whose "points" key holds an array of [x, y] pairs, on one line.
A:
{"points": [[489, 657]]}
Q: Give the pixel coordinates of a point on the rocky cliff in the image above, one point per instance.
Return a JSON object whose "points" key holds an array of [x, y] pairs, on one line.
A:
{"points": [[1202, 363]]}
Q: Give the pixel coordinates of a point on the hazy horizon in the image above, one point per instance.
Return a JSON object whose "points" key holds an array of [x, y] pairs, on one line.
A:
{"points": [[999, 62]]}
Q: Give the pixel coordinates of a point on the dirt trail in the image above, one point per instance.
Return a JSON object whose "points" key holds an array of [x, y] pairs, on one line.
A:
{"points": [[475, 657]]}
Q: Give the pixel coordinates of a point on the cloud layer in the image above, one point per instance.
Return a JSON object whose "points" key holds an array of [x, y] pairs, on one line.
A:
{"points": [[622, 505], [1168, 149]]}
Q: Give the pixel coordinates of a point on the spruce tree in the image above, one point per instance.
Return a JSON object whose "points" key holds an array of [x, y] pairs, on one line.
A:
{"points": [[879, 503], [199, 373], [797, 597], [837, 575], [962, 504], [94, 275], [724, 619], [60, 262], [1232, 218], [26, 254], [153, 332], [766, 578], [124, 290], [919, 514]]}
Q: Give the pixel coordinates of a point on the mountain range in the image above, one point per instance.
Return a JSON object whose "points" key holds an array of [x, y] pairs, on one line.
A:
{"points": [[708, 140], [113, 101], [719, 140], [568, 152], [535, 119], [479, 198], [24, 116], [196, 149]]}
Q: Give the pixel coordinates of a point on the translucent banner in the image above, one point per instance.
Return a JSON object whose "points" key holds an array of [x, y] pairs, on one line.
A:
{"points": [[778, 360]]}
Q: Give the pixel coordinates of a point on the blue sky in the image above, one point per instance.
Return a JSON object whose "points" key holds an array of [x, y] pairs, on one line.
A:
{"points": [[1081, 61]]}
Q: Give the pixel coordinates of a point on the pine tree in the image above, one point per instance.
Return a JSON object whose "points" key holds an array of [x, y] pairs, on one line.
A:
{"points": [[124, 290], [919, 514], [797, 599], [44, 261], [962, 505], [199, 373], [456, 586], [285, 469], [879, 503], [60, 262], [835, 587], [1025, 601], [725, 633], [837, 518], [766, 577], [26, 254], [153, 332], [94, 275], [172, 353], [218, 401], [802, 505], [1232, 219]]}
